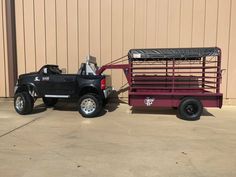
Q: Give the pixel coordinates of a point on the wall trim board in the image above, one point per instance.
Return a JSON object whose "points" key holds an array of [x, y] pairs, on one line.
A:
{"points": [[11, 44]]}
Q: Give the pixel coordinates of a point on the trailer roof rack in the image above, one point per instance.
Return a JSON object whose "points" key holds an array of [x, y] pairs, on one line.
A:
{"points": [[172, 53]]}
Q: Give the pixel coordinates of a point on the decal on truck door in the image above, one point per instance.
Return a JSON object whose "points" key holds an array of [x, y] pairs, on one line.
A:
{"points": [[36, 79], [45, 78]]}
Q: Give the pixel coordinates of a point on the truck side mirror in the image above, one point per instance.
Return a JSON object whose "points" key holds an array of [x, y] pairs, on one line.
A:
{"points": [[63, 70]]}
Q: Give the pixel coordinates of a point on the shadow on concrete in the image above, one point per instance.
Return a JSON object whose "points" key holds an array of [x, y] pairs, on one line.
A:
{"points": [[39, 108], [66, 105], [148, 110], [206, 113], [164, 111]]}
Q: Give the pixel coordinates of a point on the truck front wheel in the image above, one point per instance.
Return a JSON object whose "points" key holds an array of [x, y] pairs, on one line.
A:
{"points": [[23, 103], [90, 105]]}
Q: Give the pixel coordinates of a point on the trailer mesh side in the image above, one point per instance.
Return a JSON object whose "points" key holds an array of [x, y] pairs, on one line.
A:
{"points": [[176, 75]]}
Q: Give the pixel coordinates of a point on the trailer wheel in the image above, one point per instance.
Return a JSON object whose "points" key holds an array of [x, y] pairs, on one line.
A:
{"points": [[50, 102], [190, 109], [23, 103], [90, 105]]}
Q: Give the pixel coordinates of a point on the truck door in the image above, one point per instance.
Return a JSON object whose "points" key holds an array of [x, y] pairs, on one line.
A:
{"points": [[56, 84], [59, 84]]}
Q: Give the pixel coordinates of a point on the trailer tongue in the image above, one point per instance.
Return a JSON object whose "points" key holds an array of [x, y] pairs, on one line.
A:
{"points": [[186, 78]]}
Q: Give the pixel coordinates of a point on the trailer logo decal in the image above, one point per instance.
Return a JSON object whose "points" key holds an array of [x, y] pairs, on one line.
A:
{"points": [[149, 101]]}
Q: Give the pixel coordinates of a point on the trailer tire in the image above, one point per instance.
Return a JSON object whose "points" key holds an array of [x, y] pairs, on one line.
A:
{"points": [[23, 103], [90, 105], [190, 109], [50, 102]]}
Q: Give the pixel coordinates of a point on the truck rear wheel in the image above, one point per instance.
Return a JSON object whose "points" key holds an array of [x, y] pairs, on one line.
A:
{"points": [[190, 109], [90, 105], [49, 102], [23, 103]]}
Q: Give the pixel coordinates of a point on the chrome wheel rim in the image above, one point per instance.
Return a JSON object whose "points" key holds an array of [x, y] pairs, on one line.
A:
{"points": [[19, 103], [88, 106]]}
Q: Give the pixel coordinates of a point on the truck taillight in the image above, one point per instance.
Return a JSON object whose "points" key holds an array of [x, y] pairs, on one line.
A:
{"points": [[103, 84]]}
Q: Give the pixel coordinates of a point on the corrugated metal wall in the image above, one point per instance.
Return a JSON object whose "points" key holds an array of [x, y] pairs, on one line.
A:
{"points": [[4, 86], [65, 31]]}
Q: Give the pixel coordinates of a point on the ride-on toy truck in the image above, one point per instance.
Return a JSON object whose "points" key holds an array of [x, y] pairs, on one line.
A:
{"points": [[184, 78], [50, 84]]}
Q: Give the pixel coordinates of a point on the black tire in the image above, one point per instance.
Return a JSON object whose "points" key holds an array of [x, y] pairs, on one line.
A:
{"points": [[23, 103], [104, 102], [91, 110], [50, 102], [190, 109]]}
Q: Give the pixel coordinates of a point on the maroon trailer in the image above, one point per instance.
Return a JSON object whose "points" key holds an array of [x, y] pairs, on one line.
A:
{"points": [[184, 78]]}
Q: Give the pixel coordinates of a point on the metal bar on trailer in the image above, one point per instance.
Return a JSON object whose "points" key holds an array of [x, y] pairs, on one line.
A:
{"points": [[218, 72], [179, 72], [166, 71], [203, 71], [129, 74], [161, 64], [191, 67], [175, 88], [177, 93], [173, 75], [117, 66], [163, 77], [168, 83], [209, 86]]}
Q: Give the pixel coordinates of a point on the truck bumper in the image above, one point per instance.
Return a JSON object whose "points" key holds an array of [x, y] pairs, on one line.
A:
{"points": [[107, 92]]}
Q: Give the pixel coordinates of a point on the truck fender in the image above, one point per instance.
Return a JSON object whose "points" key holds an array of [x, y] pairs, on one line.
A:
{"points": [[89, 89], [30, 88]]}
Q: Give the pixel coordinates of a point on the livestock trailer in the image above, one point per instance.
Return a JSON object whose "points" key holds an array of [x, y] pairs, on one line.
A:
{"points": [[184, 78]]}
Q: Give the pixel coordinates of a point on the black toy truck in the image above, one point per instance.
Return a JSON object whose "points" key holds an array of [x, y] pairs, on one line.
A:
{"points": [[50, 84]]}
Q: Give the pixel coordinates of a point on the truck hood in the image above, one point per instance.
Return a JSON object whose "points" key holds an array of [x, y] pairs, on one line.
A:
{"points": [[27, 75]]}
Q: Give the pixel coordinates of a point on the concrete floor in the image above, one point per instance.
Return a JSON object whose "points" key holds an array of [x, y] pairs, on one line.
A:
{"points": [[60, 143]]}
